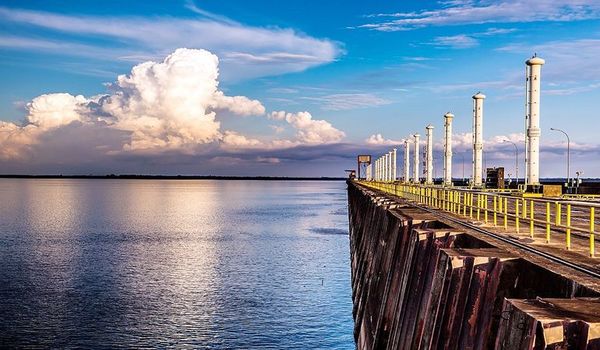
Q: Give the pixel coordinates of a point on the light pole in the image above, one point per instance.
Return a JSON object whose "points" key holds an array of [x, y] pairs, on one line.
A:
{"points": [[568, 157], [516, 160]]}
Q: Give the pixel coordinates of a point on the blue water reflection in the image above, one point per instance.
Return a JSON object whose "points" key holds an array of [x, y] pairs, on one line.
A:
{"points": [[201, 264]]}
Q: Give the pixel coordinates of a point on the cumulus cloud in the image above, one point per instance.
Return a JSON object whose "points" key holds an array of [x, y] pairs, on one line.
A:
{"points": [[160, 109], [309, 130], [169, 105], [378, 139]]}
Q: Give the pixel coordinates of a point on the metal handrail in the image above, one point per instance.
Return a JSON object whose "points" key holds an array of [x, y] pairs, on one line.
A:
{"points": [[475, 204]]}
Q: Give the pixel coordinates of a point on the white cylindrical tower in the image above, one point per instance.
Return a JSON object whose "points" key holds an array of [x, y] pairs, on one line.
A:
{"points": [[390, 166], [387, 167], [416, 174], [534, 69], [448, 149], [406, 160], [394, 165], [478, 138], [377, 169], [429, 158]]}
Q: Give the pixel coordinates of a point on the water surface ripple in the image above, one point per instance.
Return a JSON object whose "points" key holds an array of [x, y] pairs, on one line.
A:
{"points": [[186, 264]]}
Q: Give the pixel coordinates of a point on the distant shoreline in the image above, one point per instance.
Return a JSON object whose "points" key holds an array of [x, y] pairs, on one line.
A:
{"points": [[173, 177]]}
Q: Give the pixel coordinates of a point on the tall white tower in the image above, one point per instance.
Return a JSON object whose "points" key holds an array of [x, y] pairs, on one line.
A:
{"points": [[477, 138], [390, 166], [416, 163], [448, 149], [429, 159], [406, 160], [534, 69], [394, 166], [385, 167]]}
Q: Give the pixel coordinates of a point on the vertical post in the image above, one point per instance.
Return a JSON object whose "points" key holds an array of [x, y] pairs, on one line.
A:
{"points": [[471, 205], [568, 226], [531, 218], [406, 161], [394, 164], [505, 214], [495, 211], [547, 222], [448, 149], [416, 161], [517, 215], [592, 233], [558, 214], [485, 207], [390, 166], [429, 158], [533, 128], [477, 138]]}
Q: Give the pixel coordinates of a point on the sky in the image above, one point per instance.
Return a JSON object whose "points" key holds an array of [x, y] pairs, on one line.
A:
{"points": [[288, 88]]}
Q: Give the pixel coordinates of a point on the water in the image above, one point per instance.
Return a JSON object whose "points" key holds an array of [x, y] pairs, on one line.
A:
{"points": [[157, 263]]}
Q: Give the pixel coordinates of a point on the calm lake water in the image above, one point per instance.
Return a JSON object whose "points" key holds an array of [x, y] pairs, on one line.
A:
{"points": [[158, 263]]}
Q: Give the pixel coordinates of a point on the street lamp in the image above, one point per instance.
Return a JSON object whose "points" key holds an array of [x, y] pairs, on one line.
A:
{"points": [[568, 155], [516, 160]]}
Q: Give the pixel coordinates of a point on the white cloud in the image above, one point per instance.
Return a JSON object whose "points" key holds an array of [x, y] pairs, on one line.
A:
{"points": [[168, 107], [342, 102], [240, 105], [483, 11], [460, 41], [309, 130], [232, 139], [378, 139], [53, 110], [246, 51]]}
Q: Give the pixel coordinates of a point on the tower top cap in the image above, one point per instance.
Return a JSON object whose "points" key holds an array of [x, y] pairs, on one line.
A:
{"points": [[449, 115], [479, 96], [534, 61], [429, 127]]}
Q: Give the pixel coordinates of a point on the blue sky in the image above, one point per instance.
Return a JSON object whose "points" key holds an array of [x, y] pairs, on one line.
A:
{"points": [[358, 68]]}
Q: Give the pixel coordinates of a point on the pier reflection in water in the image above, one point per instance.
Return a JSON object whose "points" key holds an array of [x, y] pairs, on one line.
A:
{"points": [[218, 264]]}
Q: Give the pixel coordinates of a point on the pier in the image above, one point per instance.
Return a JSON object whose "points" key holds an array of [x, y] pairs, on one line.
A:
{"points": [[438, 264], [441, 269]]}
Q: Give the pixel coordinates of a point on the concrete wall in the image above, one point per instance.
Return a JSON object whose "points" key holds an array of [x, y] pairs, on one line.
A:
{"points": [[420, 284]]}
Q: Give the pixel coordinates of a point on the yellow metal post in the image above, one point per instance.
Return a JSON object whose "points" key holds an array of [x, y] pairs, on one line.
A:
{"points": [[478, 205], [517, 202], [531, 219], [524, 208], [592, 234], [557, 214], [470, 205], [568, 226], [495, 211], [485, 207], [506, 213], [547, 222]]}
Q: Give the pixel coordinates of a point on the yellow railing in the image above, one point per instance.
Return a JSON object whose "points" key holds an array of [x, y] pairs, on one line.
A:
{"points": [[522, 212]]}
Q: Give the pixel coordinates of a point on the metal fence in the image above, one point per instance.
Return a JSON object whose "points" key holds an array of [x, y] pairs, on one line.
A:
{"points": [[504, 209]]}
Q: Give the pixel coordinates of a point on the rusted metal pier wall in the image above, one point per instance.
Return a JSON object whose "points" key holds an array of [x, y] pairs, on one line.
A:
{"points": [[420, 284]]}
